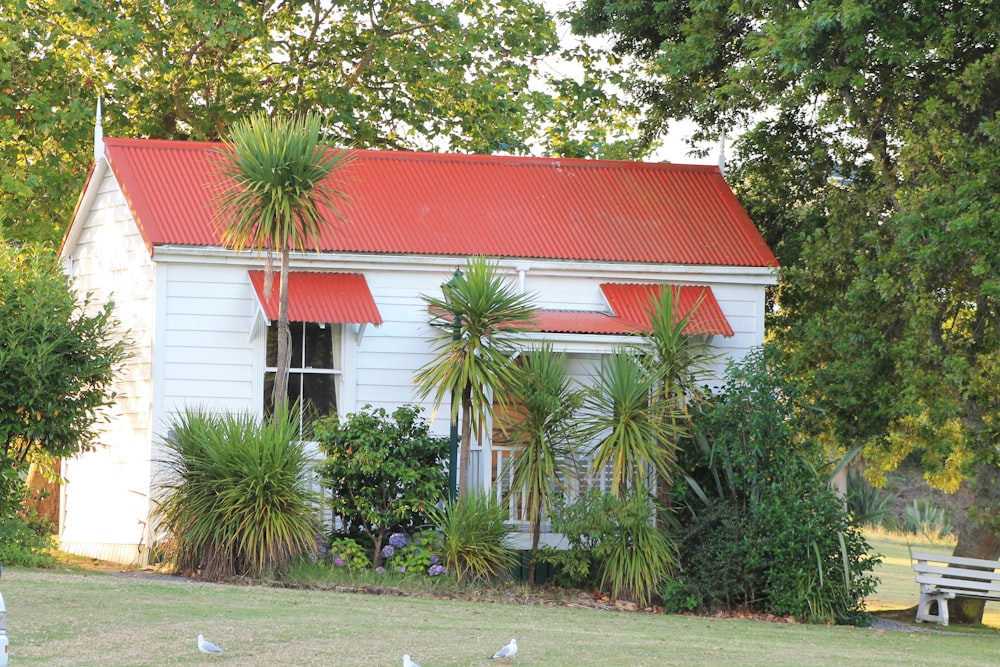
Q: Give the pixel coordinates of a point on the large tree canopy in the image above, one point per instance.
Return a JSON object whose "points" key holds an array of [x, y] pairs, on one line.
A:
{"points": [[870, 163], [466, 76]]}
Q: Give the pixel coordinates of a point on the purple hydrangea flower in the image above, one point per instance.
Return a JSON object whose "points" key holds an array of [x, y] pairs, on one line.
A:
{"points": [[401, 569], [388, 551], [379, 570], [338, 561], [434, 560], [435, 570], [399, 540]]}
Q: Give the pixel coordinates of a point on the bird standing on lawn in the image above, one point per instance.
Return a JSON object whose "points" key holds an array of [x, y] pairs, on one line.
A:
{"points": [[409, 663], [508, 651], [206, 646]]}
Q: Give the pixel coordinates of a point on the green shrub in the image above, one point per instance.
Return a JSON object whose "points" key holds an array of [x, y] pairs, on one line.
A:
{"points": [[586, 524], [58, 357], [637, 556], [680, 596], [383, 471], [21, 544], [922, 517], [753, 475], [236, 494], [571, 568], [613, 544], [346, 552], [715, 546], [475, 538]]}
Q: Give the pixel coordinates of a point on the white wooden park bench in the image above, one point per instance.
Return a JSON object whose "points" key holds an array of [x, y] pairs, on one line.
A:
{"points": [[944, 578]]}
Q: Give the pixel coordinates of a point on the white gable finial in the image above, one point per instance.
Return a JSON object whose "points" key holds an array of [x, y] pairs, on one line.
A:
{"points": [[98, 134], [722, 152]]}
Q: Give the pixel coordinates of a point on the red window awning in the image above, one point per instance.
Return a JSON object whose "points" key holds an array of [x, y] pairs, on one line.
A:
{"points": [[320, 297], [632, 303]]}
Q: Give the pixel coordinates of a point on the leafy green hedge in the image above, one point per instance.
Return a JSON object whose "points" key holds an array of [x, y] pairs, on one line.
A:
{"points": [[761, 525]]}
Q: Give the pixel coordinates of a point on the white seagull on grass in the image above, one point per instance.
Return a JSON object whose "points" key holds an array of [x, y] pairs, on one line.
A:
{"points": [[206, 646], [508, 651], [409, 663]]}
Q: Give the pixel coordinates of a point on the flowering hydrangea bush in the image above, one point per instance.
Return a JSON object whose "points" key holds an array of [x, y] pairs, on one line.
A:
{"points": [[345, 552], [413, 556]]}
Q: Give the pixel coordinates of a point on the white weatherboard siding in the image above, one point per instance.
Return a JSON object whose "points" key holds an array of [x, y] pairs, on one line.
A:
{"points": [[207, 356], [105, 497]]}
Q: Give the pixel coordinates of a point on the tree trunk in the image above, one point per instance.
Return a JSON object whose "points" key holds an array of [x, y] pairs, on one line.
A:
{"points": [[279, 395], [465, 453], [976, 540], [43, 495], [536, 534]]}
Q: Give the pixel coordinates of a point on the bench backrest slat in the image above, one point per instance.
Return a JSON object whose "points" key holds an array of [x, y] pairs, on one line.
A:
{"points": [[954, 560]]}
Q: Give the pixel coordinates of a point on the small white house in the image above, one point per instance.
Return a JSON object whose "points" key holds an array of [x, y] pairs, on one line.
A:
{"points": [[588, 239]]}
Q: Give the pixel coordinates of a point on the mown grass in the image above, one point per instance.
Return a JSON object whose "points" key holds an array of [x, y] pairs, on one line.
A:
{"points": [[69, 617]]}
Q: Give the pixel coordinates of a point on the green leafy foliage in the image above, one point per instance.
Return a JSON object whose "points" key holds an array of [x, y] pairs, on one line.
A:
{"points": [[613, 544], [922, 517], [276, 188], [25, 544], [869, 506], [57, 362], [235, 494], [419, 555], [384, 471], [763, 527], [475, 538], [347, 552], [472, 76]]}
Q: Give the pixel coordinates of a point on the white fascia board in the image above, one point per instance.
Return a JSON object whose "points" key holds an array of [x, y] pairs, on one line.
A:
{"points": [[83, 208], [623, 271]]}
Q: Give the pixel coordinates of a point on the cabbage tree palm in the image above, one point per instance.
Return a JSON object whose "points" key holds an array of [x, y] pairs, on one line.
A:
{"points": [[627, 429], [677, 359], [472, 341], [277, 195], [542, 422]]}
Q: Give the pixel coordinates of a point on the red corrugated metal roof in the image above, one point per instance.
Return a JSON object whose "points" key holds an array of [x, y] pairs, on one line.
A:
{"points": [[579, 322], [320, 297], [632, 303], [463, 205]]}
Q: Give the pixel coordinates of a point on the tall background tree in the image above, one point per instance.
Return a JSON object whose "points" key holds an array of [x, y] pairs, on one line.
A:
{"points": [[277, 185], [869, 162], [470, 76]]}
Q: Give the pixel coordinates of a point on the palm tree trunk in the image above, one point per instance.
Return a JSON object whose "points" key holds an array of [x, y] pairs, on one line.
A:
{"points": [[536, 534], [280, 394], [465, 454]]}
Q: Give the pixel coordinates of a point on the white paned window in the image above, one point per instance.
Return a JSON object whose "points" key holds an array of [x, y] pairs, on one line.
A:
{"points": [[314, 375]]}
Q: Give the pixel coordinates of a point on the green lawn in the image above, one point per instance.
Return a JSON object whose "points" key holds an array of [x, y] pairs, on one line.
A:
{"points": [[62, 617]]}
